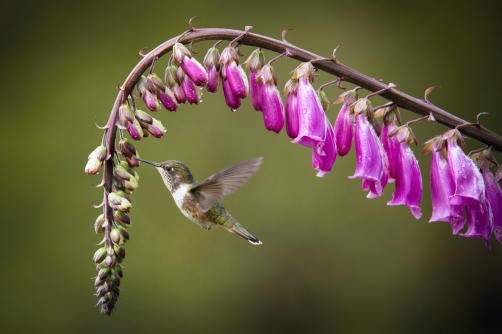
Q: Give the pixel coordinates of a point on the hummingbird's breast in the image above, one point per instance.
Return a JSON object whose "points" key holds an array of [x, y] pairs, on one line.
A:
{"points": [[189, 206]]}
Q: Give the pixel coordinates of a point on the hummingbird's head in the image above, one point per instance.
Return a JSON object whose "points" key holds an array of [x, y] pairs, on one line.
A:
{"points": [[174, 173]]}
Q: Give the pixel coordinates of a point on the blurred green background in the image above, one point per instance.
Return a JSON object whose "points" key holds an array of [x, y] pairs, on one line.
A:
{"points": [[332, 260]]}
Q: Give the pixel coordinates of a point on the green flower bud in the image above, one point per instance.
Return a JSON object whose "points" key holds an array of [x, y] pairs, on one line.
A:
{"points": [[143, 116], [122, 173], [98, 281], [99, 153], [117, 270], [122, 218], [119, 250], [126, 112], [99, 255], [126, 166], [123, 233], [126, 148], [110, 261], [103, 273], [115, 236], [131, 184], [93, 166], [98, 225]]}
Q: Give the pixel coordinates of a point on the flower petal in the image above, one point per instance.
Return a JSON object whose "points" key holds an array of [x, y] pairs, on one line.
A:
{"points": [[213, 80], [325, 162], [469, 185], [344, 130], [256, 88], [479, 221], [494, 197], [237, 79], [272, 107], [292, 122], [194, 70], [311, 117], [442, 187], [408, 180]]}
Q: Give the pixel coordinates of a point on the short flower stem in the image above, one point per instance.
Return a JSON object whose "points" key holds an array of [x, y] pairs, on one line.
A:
{"points": [[350, 75], [416, 120]]}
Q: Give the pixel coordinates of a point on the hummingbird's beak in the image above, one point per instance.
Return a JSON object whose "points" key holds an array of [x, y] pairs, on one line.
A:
{"points": [[148, 162]]}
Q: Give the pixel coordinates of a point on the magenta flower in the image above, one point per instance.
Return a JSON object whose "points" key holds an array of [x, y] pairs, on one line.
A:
{"points": [[442, 188], [192, 93], [174, 84], [469, 185], [292, 122], [494, 198], [406, 171], [390, 145], [190, 66], [324, 163], [344, 130], [232, 100], [370, 155], [479, 221], [168, 100], [311, 117], [256, 88], [135, 130], [255, 63], [233, 72], [271, 102], [212, 66]]}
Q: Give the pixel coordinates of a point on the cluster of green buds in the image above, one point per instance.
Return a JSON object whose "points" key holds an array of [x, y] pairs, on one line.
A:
{"points": [[138, 123]]}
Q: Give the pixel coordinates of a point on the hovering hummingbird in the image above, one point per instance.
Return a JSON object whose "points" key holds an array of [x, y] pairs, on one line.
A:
{"points": [[200, 202]]}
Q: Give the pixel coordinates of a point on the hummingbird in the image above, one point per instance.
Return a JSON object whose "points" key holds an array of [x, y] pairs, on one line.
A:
{"points": [[201, 202]]}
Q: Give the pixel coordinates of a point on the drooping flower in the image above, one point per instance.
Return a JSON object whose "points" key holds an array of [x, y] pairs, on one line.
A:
{"points": [[270, 100], [406, 171], [232, 100], [442, 188], [292, 121], [190, 65], [344, 124], [255, 63], [494, 198], [174, 84], [167, 98], [311, 117], [95, 160], [469, 185], [233, 75], [479, 221], [192, 93], [324, 163], [370, 164], [147, 90], [212, 66]]}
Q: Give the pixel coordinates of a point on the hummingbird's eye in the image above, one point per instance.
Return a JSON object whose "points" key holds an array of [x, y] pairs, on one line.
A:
{"points": [[168, 168]]}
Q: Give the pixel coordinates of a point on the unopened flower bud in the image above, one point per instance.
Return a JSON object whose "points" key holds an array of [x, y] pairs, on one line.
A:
{"points": [[131, 184], [120, 251], [98, 281], [122, 173], [212, 66], [132, 162], [156, 128], [154, 83], [141, 85], [110, 261], [115, 236], [143, 116], [126, 112], [126, 148], [93, 166], [116, 280], [151, 101], [117, 270], [103, 273], [99, 255], [99, 153], [167, 98], [124, 233], [324, 99], [134, 129], [122, 218], [98, 225]]}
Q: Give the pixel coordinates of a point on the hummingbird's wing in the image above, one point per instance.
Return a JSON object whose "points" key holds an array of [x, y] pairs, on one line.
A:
{"points": [[221, 184]]}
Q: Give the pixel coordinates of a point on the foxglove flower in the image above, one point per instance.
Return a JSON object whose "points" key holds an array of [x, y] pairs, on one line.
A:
{"points": [[344, 124], [404, 166], [212, 66], [190, 65], [292, 122], [233, 72], [95, 160], [255, 63], [442, 188], [370, 164], [192, 93], [232, 100], [174, 84], [147, 90], [270, 100], [311, 117], [324, 163], [167, 98], [494, 198], [479, 221], [469, 185]]}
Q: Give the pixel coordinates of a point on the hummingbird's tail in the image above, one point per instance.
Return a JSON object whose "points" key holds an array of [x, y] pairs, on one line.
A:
{"points": [[242, 232]]}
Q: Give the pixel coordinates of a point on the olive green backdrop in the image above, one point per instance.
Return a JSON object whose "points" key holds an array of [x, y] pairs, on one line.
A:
{"points": [[332, 260]]}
